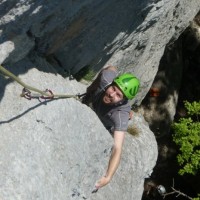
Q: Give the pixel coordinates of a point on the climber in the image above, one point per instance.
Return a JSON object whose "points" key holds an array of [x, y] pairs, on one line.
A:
{"points": [[109, 95]]}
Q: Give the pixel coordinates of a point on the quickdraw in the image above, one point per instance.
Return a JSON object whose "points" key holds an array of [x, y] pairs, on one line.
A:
{"points": [[41, 95], [27, 94]]}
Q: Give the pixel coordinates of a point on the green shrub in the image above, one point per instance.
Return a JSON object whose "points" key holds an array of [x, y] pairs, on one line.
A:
{"points": [[86, 73], [133, 130], [187, 137]]}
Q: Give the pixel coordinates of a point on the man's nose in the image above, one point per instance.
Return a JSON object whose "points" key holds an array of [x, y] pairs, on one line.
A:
{"points": [[112, 94]]}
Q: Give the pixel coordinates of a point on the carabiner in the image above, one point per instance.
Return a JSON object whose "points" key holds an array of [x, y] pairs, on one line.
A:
{"points": [[46, 97], [26, 94]]}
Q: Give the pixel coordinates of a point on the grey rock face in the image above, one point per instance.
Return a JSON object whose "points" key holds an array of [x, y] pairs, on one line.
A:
{"points": [[130, 34], [59, 149]]}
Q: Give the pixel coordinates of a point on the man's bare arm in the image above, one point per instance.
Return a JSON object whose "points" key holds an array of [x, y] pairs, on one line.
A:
{"points": [[114, 159], [110, 67]]}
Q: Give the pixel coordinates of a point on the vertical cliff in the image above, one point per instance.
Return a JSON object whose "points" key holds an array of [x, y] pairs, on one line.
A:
{"points": [[58, 149]]}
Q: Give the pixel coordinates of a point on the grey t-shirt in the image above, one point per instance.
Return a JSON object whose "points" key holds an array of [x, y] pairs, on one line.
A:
{"points": [[114, 117]]}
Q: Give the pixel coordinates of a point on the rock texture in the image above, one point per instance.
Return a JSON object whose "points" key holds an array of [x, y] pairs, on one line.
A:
{"points": [[178, 67], [53, 150], [130, 34], [58, 149]]}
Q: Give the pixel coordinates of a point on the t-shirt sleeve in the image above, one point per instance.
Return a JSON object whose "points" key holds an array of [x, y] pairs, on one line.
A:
{"points": [[107, 77], [120, 120]]}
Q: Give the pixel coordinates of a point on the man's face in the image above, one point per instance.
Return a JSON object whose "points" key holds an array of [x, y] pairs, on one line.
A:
{"points": [[112, 95]]}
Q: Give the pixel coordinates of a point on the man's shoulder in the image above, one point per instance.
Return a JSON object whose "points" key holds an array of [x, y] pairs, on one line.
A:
{"points": [[107, 76]]}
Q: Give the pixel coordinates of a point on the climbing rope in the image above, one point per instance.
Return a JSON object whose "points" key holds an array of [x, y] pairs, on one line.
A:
{"points": [[26, 91]]}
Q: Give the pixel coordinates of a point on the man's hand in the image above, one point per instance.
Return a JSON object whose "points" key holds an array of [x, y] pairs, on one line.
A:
{"points": [[110, 67], [102, 182], [130, 115]]}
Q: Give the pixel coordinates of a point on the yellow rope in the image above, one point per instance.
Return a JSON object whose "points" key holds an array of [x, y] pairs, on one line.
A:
{"points": [[5, 72]]}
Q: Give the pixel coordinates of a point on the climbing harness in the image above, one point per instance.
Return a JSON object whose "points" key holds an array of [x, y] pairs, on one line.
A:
{"points": [[41, 95]]}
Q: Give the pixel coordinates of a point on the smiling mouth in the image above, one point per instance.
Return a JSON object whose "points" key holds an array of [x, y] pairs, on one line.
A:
{"points": [[107, 99]]}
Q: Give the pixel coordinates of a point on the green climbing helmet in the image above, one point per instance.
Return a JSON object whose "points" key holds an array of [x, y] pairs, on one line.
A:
{"points": [[128, 84]]}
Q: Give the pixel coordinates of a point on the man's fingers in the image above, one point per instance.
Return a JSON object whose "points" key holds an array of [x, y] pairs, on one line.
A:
{"points": [[95, 190]]}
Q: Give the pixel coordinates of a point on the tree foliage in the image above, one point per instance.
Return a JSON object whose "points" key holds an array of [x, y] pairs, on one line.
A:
{"points": [[187, 137]]}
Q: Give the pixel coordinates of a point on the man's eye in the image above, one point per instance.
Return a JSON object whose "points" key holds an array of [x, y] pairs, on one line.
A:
{"points": [[119, 95]]}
